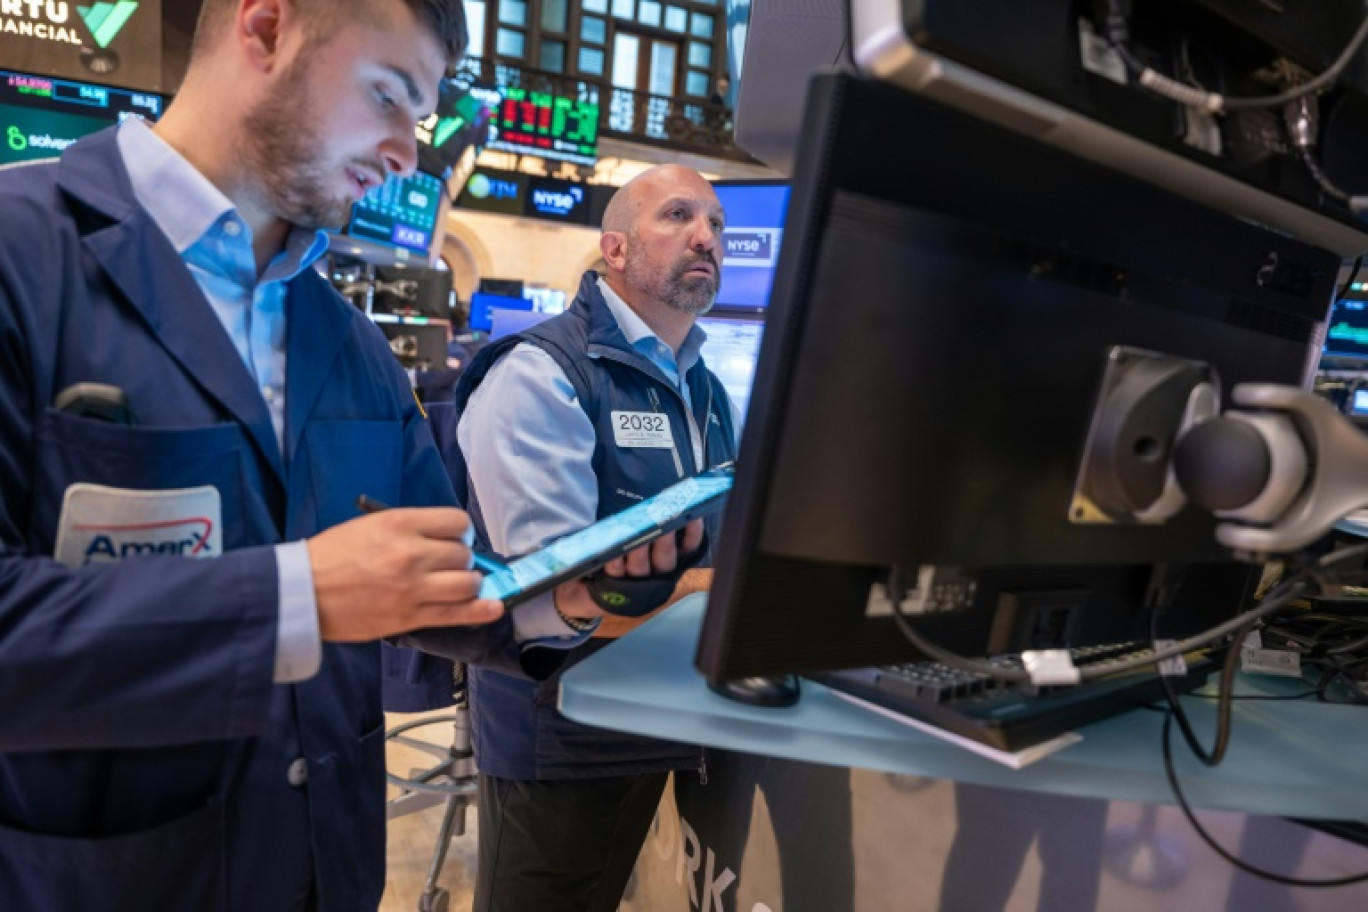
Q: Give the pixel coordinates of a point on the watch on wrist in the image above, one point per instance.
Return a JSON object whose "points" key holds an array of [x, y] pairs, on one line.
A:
{"points": [[579, 625]]}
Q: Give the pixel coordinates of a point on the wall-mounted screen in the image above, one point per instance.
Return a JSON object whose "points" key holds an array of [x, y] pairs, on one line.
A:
{"points": [[486, 190], [40, 116], [750, 245], [552, 126], [401, 212], [461, 122], [529, 196]]}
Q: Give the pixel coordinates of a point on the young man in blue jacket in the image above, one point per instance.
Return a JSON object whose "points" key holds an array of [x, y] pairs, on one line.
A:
{"points": [[564, 808], [176, 383]]}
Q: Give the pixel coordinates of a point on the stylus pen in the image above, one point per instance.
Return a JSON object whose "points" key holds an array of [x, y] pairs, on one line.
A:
{"points": [[368, 504]]}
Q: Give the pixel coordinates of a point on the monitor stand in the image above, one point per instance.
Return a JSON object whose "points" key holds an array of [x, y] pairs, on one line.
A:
{"points": [[773, 692]]}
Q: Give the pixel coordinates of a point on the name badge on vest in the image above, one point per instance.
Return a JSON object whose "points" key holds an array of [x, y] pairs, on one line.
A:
{"points": [[650, 430], [101, 525]]}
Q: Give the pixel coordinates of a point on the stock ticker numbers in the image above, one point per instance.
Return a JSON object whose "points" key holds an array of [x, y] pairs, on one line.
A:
{"points": [[402, 212], [553, 126]]}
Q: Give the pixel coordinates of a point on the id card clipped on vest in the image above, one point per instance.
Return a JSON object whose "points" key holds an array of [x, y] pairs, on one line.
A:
{"points": [[101, 525], [642, 430]]}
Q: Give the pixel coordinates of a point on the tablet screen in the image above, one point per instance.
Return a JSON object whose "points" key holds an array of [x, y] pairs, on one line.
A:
{"points": [[580, 552]]}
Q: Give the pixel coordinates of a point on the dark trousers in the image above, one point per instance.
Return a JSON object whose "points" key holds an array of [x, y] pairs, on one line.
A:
{"points": [[566, 845]]}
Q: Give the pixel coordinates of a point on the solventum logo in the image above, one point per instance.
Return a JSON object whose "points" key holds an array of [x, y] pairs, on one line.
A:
{"points": [[106, 20]]}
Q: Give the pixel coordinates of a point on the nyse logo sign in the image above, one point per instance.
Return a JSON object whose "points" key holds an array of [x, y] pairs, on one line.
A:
{"points": [[757, 247], [551, 202]]}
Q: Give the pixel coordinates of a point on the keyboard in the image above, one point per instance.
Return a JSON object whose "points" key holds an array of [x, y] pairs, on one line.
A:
{"points": [[1013, 717]]}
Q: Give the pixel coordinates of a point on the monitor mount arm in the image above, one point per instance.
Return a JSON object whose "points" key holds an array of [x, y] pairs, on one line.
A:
{"points": [[404, 289], [1279, 468]]}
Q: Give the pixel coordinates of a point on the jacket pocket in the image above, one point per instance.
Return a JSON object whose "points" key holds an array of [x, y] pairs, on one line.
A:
{"points": [[178, 865], [73, 450]]}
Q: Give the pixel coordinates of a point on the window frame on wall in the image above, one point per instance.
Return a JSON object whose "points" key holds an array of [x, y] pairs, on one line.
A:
{"points": [[548, 33], [572, 45]]}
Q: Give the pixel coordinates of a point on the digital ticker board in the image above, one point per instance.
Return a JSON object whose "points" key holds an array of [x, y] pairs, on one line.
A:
{"points": [[40, 116], [552, 126], [402, 212]]}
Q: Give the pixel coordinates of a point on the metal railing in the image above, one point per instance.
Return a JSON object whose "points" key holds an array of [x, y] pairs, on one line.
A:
{"points": [[641, 117]]}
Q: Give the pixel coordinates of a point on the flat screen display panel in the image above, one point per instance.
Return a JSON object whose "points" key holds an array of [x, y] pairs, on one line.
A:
{"points": [[732, 349], [545, 124], [1347, 335], [41, 116], [482, 306], [488, 190], [461, 122], [402, 212], [750, 244], [579, 552], [505, 322]]}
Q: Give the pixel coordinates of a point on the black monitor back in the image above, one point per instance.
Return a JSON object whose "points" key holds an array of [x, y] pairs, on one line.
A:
{"points": [[946, 298], [413, 290]]}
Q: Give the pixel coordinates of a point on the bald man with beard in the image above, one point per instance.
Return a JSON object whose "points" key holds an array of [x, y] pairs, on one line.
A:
{"points": [[565, 808]]}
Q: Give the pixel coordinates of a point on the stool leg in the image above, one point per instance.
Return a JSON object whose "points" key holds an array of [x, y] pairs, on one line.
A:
{"points": [[459, 768], [435, 898]]}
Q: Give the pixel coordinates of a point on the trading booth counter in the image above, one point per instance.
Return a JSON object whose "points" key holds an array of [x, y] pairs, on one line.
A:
{"points": [[841, 836], [1289, 758]]}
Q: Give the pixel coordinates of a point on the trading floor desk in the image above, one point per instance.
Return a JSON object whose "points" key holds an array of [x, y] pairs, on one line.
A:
{"points": [[867, 814]]}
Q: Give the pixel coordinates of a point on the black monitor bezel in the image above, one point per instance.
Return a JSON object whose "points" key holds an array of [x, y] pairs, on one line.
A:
{"points": [[798, 636]]}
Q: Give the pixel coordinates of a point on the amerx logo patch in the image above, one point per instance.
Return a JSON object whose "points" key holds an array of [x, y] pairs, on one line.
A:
{"points": [[100, 525], [188, 537]]}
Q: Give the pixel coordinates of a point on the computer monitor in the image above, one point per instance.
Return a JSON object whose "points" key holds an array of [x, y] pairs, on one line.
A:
{"points": [[401, 212], [482, 304], [940, 325], [545, 300], [40, 116], [505, 322], [731, 351], [413, 291], [1346, 336], [1358, 404], [750, 244]]}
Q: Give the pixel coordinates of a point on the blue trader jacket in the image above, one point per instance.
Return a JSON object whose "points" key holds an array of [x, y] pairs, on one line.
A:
{"points": [[147, 761], [518, 733]]}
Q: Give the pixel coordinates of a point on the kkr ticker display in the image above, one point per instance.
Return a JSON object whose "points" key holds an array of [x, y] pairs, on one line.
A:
{"points": [[552, 126]]}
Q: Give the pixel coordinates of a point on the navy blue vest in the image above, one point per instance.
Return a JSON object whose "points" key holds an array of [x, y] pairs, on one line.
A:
{"points": [[517, 730]]}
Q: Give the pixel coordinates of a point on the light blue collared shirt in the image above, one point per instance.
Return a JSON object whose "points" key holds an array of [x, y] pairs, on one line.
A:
{"points": [[216, 246], [529, 450]]}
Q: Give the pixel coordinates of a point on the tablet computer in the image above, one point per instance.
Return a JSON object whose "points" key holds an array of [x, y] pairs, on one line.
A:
{"points": [[580, 553]]}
